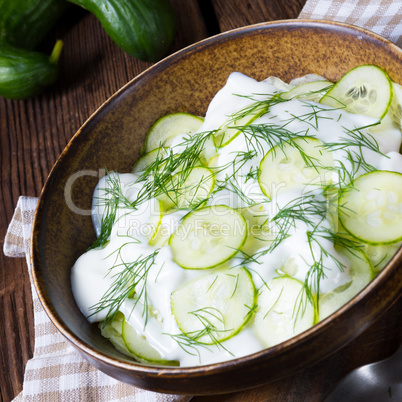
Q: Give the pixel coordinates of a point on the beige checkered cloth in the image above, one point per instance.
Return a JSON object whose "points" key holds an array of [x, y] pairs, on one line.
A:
{"points": [[383, 17], [57, 372]]}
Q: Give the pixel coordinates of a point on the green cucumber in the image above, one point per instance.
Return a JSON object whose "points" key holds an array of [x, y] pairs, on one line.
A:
{"points": [[24, 23], [148, 159], [229, 131], [371, 211], [168, 127], [380, 255], [144, 29], [258, 231], [395, 110], [208, 237], [215, 307], [188, 188], [24, 73], [312, 91], [284, 311], [294, 165], [138, 346], [361, 273], [364, 90]]}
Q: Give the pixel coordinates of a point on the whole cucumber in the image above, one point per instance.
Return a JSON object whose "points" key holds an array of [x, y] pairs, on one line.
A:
{"points": [[144, 29], [25, 73], [24, 23]]}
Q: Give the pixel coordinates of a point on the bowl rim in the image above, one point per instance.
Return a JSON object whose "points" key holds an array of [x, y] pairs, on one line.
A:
{"points": [[191, 371]]}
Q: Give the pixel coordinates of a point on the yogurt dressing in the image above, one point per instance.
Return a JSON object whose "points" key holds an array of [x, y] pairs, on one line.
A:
{"points": [[95, 272]]}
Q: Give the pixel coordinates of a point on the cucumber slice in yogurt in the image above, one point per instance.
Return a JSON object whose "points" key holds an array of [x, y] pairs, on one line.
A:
{"points": [[294, 165], [283, 311], [148, 159], [165, 129], [188, 188], [371, 211], [312, 91], [215, 307], [208, 237], [380, 255], [364, 90], [259, 234], [395, 110], [361, 273], [138, 345], [229, 130]]}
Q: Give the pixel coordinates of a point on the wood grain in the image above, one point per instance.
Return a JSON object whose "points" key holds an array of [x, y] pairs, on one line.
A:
{"points": [[33, 133]]}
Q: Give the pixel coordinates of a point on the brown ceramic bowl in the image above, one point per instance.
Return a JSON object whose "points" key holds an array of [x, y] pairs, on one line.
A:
{"points": [[111, 138]]}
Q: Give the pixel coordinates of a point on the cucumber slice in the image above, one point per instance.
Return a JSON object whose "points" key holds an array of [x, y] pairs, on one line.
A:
{"points": [[229, 131], [165, 129], [215, 307], [364, 90], [139, 347], [372, 210], [169, 224], [208, 237], [312, 91], [380, 255], [361, 273], [112, 331], [283, 311], [188, 188], [284, 167], [151, 229], [395, 109], [258, 234], [145, 161]]}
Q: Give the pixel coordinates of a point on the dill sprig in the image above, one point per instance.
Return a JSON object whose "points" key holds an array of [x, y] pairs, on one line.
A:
{"points": [[129, 282], [112, 199], [157, 178]]}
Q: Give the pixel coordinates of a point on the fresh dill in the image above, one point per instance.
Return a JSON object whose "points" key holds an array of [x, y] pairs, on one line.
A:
{"points": [[128, 282]]}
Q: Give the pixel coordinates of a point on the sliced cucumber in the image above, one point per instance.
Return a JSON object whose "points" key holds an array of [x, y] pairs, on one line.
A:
{"points": [[361, 274], [188, 188], [312, 91], [283, 311], [364, 90], [380, 255], [113, 330], [151, 228], [259, 234], [292, 165], [229, 131], [372, 210], [139, 347], [169, 224], [168, 127], [148, 159], [215, 307], [208, 237], [396, 105]]}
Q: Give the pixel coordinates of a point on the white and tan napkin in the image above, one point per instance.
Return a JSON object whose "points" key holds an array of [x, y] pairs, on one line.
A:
{"points": [[57, 372], [383, 17]]}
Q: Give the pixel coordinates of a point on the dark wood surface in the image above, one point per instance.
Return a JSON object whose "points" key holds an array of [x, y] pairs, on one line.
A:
{"points": [[34, 132]]}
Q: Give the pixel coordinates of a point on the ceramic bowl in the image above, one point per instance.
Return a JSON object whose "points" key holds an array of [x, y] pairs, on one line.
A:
{"points": [[186, 81]]}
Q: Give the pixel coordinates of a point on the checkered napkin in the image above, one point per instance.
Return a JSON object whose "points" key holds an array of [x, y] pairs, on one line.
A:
{"points": [[57, 372], [383, 17]]}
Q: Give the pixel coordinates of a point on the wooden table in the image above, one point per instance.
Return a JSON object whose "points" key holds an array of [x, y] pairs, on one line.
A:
{"points": [[34, 132]]}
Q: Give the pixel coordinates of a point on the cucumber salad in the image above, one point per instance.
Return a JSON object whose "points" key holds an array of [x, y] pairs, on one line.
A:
{"points": [[240, 230]]}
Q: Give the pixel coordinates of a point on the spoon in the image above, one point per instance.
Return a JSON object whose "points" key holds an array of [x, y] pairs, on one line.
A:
{"points": [[376, 382]]}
